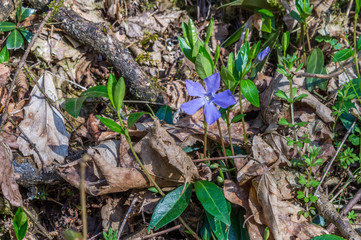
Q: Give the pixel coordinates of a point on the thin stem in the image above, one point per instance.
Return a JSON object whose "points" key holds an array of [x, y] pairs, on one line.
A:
{"points": [[189, 229], [220, 135], [303, 43], [229, 132], [205, 138], [307, 36], [245, 138], [292, 112], [150, 109], [84, 159]]}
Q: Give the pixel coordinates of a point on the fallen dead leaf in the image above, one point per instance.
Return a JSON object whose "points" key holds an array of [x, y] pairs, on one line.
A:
{"points": [[44, 126], [9, 187], [4, 74]]}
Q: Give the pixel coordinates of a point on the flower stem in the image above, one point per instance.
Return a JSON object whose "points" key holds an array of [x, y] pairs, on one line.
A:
{"points": [[229, 132], [220, 135], [205, 138], [245, 138], [292, 111]]}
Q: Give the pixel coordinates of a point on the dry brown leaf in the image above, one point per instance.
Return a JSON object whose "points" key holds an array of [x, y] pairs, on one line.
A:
{"points": [[22, 86], [4, 74], [262, 152], [93, 127], [44, 126], [9, 187], [281, 216], [9, 135], [3, 97], [112, 213]]}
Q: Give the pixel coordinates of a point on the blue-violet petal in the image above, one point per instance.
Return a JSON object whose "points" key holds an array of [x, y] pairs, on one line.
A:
{"points": [[211, 113], [193, 106], [195, 89], [212, 83], [224, 99]]}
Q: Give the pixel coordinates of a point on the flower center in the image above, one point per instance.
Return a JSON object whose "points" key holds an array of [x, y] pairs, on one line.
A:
{"points": [[209, 97]]}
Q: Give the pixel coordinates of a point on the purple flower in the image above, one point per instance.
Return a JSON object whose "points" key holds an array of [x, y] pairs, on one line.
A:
{"points": [[261, 55], [207, 98]]}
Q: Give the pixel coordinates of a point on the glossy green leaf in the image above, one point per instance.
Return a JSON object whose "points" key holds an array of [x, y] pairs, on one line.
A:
{"points": [[195, 50], [315, 64], [97, 91], [203, 66], [119, 93], [192, 33], [234, 37], [110, 87], [185, 32], [27, 34], [7, 26], [295, 16], [73, 105], [205, 231], [242, 59], [25, 12], [209, 31], [250, 92], [134, 117], [212, 200], [187, 51], [165, 114], [254, 50], [251, 4], [238, 118], [237, 231], [228, 79], [342, 55], [170, 207], [328, 237], [4, 55], [219, 229], [285, 42], [109, 123], [20, 222], [281, 94], [15, 40]]}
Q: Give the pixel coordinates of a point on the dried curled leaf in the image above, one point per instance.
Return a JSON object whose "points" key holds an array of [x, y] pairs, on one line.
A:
{"points": [[22, 85], [4, 74]]}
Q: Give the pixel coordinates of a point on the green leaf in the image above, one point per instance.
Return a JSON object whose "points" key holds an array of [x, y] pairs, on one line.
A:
{"points": [[358, 5], [301, 96], [234, 37], [27, 34], [192, 33], [219, 229], [7, 26], [328, 237], [209, 31], [230, 63], [358, 44], [109, 123], [254, 50], [165, 113], [73, 105], [242, 59], [250, 92], [15, 40], [119, 93], [228, 79], [20, 222], [285, 42], [187, 51], [110, 87], [283, 121], [4, 55], [134, 117], [238, 118], [342, 55], [281, 94], [315, 64], [25, 12], [171, 207], [195, 50], [203, 66], [205, 231], [185, 32], [97, 91], [295, 16], [212, 200], [216, 56]]}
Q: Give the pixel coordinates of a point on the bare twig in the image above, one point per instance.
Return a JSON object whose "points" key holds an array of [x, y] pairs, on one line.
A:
{"points": [[84, 159], [347, 208], [22, 62], [325, 76], [126, 217], [334, 156], [163, 232]]}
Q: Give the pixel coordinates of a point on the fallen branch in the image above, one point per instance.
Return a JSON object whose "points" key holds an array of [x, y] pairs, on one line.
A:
{"points": [[329, 212], [103, 40]]}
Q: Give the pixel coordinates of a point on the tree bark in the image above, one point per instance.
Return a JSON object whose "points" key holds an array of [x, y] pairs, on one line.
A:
{"points": [[103, 40], [6, 8]]}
